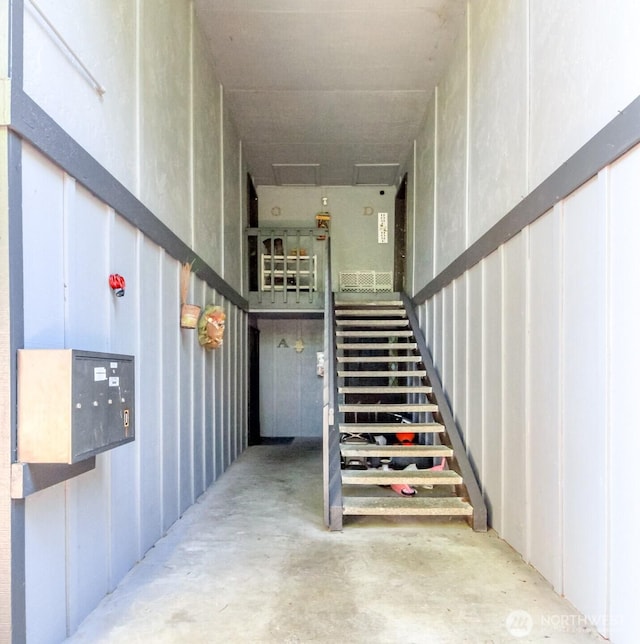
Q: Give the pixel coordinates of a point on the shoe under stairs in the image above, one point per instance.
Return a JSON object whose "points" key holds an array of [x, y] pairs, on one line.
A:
{"points": [[385, 389]]}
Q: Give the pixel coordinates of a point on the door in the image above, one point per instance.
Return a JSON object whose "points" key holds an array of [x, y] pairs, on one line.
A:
{"points": [[252, 220], [254, 385], [400, 237]]}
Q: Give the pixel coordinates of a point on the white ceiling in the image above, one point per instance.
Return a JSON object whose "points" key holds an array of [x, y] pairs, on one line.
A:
{"points": [[328, 92]]}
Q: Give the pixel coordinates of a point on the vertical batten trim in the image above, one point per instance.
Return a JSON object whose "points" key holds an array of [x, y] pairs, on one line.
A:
{"points": [[192, 206], [527, 143], [604, 180], [502, 344], [138, 97], [467, 145], [527, 397], [528, 473], [137, 406], [558, 211], [414, 217], [434, 244], [222, 178], [13, 619], [106, 457]]}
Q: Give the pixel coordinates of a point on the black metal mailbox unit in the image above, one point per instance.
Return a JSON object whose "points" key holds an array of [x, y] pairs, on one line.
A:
{"points": [[73, 404]]}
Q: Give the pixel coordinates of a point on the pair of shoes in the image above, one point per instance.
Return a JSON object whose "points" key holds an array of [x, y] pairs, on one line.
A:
{"points": [[403, 489]]}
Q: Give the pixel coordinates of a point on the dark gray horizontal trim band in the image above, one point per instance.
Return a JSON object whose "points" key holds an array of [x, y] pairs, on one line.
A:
{"points": [[610, 143], [34, 125]]}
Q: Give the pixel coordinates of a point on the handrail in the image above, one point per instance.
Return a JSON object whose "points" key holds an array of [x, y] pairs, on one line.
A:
{"points": [[467, 472], [332, 484]]}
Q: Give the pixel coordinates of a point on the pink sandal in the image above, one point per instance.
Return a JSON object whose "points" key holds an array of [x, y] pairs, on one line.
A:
{"points": [[403, 489]]}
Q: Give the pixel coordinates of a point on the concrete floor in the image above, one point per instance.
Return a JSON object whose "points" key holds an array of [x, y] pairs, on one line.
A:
{"points": [[251, 562]]}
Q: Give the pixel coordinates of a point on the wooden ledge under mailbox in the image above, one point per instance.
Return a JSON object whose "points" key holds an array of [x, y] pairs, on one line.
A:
{"points": [[72, 405]]}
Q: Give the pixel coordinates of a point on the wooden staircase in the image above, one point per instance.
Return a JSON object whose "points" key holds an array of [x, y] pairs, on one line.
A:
{"points": [[385, 387]]}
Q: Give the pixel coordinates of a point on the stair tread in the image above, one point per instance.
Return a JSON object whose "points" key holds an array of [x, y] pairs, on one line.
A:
{"points": [[375, 323], [346, 359], [381, 346], [397, 505], [371, 312], [371, 449], [404, 333], [356, 373], [409, 389], [410, 477], [388, 407], [389, 428], [355, 303]]}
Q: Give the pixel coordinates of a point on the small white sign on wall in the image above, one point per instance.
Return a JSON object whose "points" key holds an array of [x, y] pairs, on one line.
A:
{"points": [[383, 228]]}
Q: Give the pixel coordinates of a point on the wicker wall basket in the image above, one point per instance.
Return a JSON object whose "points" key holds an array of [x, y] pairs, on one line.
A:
{"points": [[189, 315]]}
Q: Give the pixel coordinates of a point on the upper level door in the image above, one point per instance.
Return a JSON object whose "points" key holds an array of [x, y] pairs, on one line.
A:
{"points": [[400, 237]]}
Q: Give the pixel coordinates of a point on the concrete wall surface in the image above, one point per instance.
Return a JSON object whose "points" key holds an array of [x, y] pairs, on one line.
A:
{"points": [[529, 84], [534, 343], [160, 127]]}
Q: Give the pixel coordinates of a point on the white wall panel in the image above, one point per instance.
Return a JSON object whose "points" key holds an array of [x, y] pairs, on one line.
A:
{"points": [[436, 306], [492, 401], [186, 395], [498, 111], [584, 471], [149, 404], [124, 517], [87, 270], [219, 440], [199, 404], [475, 389], [544, 400], [43, 236], [624, 412], [514, 382], [459, 374], [169, 318], [45, 566], [210, 404], [226, 399], [447, 341]]}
